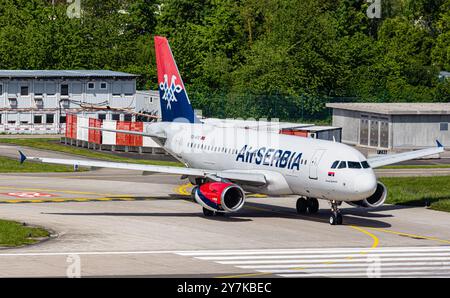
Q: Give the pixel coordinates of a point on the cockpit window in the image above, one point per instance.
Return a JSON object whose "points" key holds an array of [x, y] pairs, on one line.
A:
{"points": [[334, 165], [342, 165], [365, 164], [354, 165]]}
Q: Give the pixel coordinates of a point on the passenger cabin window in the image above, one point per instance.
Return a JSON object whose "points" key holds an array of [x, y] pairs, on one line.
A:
{"points": [[335, 164], [365, 164], [354, 165], [342, 165]]}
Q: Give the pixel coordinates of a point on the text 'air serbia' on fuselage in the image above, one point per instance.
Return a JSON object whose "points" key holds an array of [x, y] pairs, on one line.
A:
{"points": [[224, 161]]}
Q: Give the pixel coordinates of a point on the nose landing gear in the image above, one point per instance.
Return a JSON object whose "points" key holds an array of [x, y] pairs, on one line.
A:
{"points": [[336, 216]]}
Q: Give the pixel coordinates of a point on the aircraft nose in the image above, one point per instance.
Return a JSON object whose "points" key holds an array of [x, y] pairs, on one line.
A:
{"points": [[365, 184]]}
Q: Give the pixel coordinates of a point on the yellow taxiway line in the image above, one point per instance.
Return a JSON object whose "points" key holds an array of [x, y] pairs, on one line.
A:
{"points": [[410, 235]]}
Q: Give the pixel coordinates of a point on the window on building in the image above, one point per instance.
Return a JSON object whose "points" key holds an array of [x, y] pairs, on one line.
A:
{"points": [[91, 85], [39, 102], [1, 119], [116, 117], [13, 102], [24, 90], [128, 89], [50, 118], [50, 88], [37, 119], [117, 89], [102, 116], [65, 89], [103, 86], [128, 117], [39, 88], [1, 89], [62, 119], [443, 126], [11, 122]]}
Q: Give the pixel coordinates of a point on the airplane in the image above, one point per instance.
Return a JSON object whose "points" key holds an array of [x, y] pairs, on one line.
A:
{"points": [[226, 163]]}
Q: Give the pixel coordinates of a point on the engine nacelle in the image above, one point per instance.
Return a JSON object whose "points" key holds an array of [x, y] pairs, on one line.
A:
{"points": [[220, 196], [375, 200]]}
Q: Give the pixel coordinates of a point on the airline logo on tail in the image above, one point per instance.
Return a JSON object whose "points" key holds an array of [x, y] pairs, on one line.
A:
{"points": [[175, 104], [169, 90]]}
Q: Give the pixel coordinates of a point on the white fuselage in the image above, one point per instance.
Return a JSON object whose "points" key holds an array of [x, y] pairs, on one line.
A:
{"points": [[291, 164]]}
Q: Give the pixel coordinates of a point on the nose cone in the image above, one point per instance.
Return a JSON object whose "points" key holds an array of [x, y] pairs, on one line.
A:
{"points": [[365, 184]]}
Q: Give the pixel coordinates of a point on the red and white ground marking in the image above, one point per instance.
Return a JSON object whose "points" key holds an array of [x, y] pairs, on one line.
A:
{"points": [[29, 195]]}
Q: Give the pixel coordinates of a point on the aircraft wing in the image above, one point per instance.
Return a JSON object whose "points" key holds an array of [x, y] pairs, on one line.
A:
{"points": [[380, 161], [235, 176]]}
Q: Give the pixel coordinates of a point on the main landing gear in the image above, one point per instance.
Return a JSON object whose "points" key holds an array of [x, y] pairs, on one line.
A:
{"points": [[336, 216], [307, 205], [209, 213]]}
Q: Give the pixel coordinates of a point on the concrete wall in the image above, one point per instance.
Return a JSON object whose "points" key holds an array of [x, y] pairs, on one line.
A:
{"points": [[349, 121], [417, 131]]}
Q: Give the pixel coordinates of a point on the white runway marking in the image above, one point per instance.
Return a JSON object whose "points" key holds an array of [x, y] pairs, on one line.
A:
{"points": [[337, 262], [333, 262]]}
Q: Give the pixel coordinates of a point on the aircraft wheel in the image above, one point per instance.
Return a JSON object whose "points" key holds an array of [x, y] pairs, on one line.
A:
{"points": [[339, 219], [336, 219], [208, 213], [313, 205], [302, 206]]}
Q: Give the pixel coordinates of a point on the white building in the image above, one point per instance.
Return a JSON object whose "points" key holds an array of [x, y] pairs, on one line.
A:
{"points": [[37, 101]]}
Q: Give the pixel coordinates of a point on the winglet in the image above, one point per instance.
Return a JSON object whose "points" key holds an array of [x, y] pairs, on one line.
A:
{"points": [[439, 144], [22, 157]]}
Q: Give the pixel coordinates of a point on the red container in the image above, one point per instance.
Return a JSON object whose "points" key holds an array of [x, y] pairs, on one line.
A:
{"points": [[95, 136], [286, 132], [301, 133], [121, 138], [71, 126], [135, 140]]}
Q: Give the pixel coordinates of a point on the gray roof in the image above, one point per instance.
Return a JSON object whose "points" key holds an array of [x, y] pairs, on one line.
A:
{"points": [[406, 108], [64, 73], [444, 74]]}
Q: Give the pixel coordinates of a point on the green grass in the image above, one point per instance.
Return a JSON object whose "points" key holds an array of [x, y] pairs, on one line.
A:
{"points": [[15, 234], [8, 165], [54, 145], [419, 191]]}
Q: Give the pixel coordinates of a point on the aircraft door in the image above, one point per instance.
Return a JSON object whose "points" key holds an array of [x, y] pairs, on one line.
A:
{"points": [[314, 163]]}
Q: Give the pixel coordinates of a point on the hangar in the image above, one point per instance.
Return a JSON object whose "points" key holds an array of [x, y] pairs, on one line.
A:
{"points": [[392, 126]]}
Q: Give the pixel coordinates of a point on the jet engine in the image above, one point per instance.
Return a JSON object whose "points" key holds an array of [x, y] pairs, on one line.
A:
{"points": [[220, 196], [375, 200]]}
